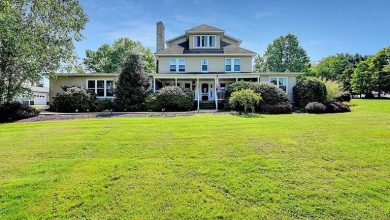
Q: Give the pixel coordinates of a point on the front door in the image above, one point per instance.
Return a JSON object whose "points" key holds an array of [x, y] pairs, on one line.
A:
{"points": [[207, 91], [204, 92]]}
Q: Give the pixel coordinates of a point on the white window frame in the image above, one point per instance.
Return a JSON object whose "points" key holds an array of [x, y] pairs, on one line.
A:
{"points": [[232, 64], [208, 41], [105, 87], [277, 81], [207, 65], [177, 64]]}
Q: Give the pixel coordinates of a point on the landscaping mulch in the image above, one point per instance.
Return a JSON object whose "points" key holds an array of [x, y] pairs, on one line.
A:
{"points": [[49, 116]]}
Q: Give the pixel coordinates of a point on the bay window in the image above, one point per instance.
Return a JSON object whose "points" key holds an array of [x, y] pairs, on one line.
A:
{"points": [[204, 41], [280, 82], [232, 65], [177, 65]]}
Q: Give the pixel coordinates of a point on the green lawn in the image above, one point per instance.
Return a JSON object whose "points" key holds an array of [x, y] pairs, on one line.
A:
{"points": [[200, 167]]}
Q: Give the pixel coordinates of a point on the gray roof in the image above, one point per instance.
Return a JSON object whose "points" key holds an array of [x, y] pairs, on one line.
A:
{"points": [[206, 28], [226, 48]]}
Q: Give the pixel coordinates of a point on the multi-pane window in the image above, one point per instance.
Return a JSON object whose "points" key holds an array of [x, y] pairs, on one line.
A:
{"points": [[232, 65], [177, 65], [102, 88], [280, 82], [205, 65], [202, 41], [91, 85]]}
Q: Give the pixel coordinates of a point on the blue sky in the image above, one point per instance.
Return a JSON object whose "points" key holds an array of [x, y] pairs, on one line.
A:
{"points": [[323, 27]]}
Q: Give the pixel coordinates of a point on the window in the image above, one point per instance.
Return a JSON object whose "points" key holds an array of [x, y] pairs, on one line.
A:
{"points": [[280, 82], [109, 88], [204, 41], [91, 86], [232, 65], [177, 65], [204, 65], [102, 88]]}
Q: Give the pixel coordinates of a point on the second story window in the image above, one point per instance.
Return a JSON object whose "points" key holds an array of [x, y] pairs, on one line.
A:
{"points": [[204, 41], [232, 65], [205, 65], [177, 65]]}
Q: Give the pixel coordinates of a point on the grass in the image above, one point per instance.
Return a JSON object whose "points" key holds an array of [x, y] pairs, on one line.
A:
{"points": [[200, 167]]}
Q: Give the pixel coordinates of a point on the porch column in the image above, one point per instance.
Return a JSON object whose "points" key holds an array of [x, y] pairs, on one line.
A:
{"points": [[215, 92], [258, 79], [175, 81], [197, 88], [236, 79], [154, 84]]}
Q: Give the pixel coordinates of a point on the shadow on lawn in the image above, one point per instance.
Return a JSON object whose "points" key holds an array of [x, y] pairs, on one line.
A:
{"points": [[247, 115]]}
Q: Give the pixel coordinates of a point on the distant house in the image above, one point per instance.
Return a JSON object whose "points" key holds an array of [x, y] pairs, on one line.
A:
{"points": [[204, 59], [39, 95]]}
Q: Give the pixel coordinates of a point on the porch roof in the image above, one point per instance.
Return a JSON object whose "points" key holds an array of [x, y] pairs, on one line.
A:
{"points": [[219, 75]]}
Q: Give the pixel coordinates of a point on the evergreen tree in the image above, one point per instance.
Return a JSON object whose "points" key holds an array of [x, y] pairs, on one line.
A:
{"points": [[132, 84]]}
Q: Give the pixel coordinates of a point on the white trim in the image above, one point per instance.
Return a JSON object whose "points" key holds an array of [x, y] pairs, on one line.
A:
{"points": [[208, 41], [277, 81], [104, 87], [201, 65]]}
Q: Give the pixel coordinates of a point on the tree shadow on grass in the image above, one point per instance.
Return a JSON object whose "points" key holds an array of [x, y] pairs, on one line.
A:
{"points": [[247, 115]]}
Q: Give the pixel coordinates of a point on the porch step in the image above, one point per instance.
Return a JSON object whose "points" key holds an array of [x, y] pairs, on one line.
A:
{"points": [[207, 105]]}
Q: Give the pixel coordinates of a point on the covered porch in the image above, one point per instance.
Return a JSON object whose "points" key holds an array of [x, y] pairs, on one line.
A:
{"points": [[208, 89]]}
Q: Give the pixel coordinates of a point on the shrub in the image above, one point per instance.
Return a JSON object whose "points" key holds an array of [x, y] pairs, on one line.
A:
{"points": [[335, 107], [174, 98], [279, 108], [315, 107], [246, 98], [270, 93], [73, 98], [344, 97], [237, 86], [333, 89], [12, 111], [102, 104], [308, 90], [151, 102]]}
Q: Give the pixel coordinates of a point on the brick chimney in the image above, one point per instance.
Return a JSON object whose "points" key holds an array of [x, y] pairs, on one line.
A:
{"points": [[160, 36]]}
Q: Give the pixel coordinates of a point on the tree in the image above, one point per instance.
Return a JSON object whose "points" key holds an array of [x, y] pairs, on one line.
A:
{"points": [[373, 74], [338, 67], [259, 64], [246, 98], [36, 38], [132, 85], [109, 58], [284, 55]]}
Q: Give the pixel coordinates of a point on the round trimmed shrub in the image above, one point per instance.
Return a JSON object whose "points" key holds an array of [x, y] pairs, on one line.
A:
{"points": [[12, 111], [73, 99], [270, 93], [279, 108], [237, 86], [337, 107], [174, 98], [344, 97], [315, 107], [309, 90]]}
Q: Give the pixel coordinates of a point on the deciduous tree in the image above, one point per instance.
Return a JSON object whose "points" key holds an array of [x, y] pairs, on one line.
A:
{"points": [[109, 58], [36, 38]]}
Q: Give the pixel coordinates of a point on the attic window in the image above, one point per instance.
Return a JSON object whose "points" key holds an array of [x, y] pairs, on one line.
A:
{"points": [[204, 41]]}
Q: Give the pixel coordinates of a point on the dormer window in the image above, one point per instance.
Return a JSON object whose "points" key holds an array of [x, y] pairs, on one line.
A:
{"points": [[204, 41]]}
